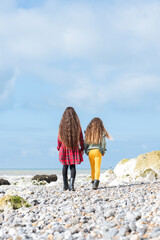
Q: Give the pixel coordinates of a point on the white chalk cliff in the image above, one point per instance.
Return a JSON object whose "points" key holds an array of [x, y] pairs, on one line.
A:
{"points": [[144, 168]]}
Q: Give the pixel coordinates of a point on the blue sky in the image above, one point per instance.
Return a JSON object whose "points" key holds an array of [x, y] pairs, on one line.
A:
{"points": [[101, 57]]}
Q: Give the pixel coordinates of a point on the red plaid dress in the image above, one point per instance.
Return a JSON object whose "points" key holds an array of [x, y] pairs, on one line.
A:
{"points": [[69, 156]]}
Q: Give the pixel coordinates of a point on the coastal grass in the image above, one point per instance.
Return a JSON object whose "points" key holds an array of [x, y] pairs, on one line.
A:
{"points": [[14, 202]]}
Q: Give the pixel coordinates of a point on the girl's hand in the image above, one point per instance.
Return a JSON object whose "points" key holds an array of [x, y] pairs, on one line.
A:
{"points": [[110, 138], [82, 152]]}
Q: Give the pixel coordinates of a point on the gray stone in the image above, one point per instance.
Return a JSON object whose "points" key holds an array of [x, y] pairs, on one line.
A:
{"points": [[12, 231], [132, 226], [155, 233], [86, 230], [97, 200], [123, 231], [1, 218], [141, 229], [109, 213], [111, 233], [158, 195], [133, 216], [1, 233], [90, 209], [74, 229], [137, 215], [156, 229]]}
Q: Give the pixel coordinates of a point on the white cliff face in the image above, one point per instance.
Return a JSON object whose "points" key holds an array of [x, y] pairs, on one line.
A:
{"points": [[125, 167], [144, 168], [108, 176]]}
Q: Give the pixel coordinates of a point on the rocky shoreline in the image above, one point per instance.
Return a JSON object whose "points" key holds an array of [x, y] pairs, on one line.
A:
{"points": [[119, 212]]}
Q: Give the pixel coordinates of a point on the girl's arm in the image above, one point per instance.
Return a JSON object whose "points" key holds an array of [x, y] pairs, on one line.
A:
{"points": [[81, 141], [86, 145], [103, 145], [59, 143]]}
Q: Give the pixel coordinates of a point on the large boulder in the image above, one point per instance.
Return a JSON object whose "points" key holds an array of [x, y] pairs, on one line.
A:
{"points": [[148, 163], [47, 178], [4, 182]]}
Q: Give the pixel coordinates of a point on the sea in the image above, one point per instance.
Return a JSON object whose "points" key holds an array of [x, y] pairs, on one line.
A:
{"points": [[35, 171]]}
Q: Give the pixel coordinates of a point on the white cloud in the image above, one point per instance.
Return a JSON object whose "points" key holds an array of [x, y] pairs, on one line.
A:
{"points": [[128, 89], [118, 45], [35, 33], [82, 32]]}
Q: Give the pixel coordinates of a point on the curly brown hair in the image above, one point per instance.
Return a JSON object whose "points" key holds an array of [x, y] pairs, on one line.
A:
{"points": [[95, 131], [69, 128]]}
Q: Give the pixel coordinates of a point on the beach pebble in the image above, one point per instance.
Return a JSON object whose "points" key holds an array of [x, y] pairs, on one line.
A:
{"points": [[130, 212], [132, 226], [135, 237], [109, 213], [133, 216], [155, 232], [1, 218], [123, 231], [12, 232], [1, 233], [111, 233]]}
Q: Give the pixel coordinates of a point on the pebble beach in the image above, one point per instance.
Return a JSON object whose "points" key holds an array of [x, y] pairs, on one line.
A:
{"points": [[129, 211]]}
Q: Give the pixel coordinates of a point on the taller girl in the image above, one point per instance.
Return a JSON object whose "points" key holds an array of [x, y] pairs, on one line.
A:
{"points": [[70, 145], [95, 147]]}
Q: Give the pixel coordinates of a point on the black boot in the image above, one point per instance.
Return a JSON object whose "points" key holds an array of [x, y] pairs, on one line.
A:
{"points": [[71, 185], [65, 183], [95, 184]]}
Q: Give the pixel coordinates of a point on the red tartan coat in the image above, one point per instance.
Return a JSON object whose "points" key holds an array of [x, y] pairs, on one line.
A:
{"points": [[69, 156]]}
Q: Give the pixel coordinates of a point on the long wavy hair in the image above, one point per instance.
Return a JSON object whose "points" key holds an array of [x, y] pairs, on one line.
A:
{"points": [[95, 131], [69, 128]]}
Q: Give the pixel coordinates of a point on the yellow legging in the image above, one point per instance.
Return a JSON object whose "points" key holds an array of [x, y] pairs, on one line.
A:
{"points": [[95, 158]]}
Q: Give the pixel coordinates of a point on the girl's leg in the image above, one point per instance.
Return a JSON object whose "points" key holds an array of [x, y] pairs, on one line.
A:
{"points": [[65, 177], [98, 159], [65, 170], [92, 164], [73, 175], [73, 171]]}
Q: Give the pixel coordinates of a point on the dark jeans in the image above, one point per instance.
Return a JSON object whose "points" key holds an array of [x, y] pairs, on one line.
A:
{"points": [[65, 170]]}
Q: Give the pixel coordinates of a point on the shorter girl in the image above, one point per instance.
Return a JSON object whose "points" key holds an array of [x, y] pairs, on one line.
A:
{"points": [[69, 138], [95, 147]]}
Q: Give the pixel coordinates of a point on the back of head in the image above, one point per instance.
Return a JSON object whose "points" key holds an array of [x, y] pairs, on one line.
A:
{"points": [[95, 131], [69, 128]]}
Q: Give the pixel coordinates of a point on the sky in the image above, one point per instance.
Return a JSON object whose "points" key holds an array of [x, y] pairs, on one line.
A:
{"points": [[100, 57]]}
